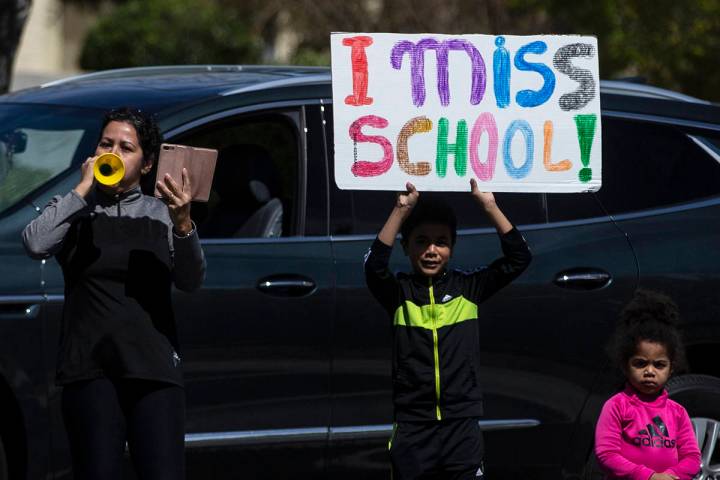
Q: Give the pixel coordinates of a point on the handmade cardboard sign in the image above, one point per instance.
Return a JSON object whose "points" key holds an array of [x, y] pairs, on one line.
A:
{"points": [[518, 113]]}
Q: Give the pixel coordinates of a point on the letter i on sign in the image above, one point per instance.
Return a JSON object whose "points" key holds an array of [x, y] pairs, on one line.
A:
{"points": [[359, 70], [501, 72]]}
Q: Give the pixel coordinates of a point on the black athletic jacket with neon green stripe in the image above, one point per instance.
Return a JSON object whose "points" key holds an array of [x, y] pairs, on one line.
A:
{"points": [[436, 351]]}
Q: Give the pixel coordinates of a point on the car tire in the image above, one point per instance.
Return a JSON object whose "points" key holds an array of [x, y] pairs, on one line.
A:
{"points": [[3, 462], [700, 395], [592, 470]]}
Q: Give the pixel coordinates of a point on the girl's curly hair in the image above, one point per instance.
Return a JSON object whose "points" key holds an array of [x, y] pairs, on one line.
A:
{"points": [[653, 317]]}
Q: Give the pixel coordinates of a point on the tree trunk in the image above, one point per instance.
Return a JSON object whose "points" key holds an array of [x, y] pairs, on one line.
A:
{"points": [[13, 14]]}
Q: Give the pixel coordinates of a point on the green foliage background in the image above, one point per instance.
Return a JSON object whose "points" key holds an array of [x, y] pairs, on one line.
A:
{"points": [[167, 32], [670, 43]]}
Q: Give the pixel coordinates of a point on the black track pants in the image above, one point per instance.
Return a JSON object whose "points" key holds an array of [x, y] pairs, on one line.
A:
{"points": [[101, 415], [445, 449]]}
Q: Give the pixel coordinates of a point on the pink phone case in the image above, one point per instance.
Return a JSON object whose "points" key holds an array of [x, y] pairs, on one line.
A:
{"points": [[199, 162]]}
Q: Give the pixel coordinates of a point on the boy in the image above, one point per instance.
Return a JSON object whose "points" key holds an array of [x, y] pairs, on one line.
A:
{"points": [[436, 392]]}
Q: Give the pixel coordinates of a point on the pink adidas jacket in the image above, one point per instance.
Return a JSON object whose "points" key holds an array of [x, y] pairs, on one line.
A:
{"points": [[637, 435]]}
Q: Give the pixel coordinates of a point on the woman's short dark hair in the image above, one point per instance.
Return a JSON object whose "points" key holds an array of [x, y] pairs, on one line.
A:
{"points": [[429, 209], [652, 317], [147, 130]]}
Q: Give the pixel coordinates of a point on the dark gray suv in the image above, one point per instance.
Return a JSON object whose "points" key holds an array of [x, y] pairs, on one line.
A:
{"points": [[287, 356]]}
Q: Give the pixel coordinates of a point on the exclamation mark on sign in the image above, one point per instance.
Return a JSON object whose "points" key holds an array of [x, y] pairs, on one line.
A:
{"points": [[586, 133]]}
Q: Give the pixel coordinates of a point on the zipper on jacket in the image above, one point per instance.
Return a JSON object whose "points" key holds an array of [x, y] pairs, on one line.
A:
{"points": [[392, 436], [435, 353], [117, 201]]}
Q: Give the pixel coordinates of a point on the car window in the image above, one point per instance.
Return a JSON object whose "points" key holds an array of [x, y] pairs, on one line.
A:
{"points": [[573, 206], [254, 191], [711, 145], [362, 212], [316, 202], [37, 143], [648, 166]]}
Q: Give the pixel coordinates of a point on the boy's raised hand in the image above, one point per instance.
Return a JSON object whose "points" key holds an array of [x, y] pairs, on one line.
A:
{"points": [[408, 199], [486, 199], [404, 204]]}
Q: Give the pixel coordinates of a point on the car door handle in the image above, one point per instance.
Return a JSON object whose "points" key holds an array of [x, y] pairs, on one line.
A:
{"points": [[286, 285], [19, 307], [583, 279]]}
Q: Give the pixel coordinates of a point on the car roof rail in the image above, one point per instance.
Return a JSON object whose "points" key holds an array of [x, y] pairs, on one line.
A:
{"points": [[283, 82], [628, 86], [624, 87], [177, 69]]}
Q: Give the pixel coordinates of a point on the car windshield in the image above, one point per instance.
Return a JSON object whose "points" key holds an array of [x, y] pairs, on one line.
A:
{"points": [[38, 143]]}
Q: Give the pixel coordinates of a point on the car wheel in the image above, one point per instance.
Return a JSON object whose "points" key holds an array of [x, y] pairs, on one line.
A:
{"points": [[700, 395], [707, 431]]}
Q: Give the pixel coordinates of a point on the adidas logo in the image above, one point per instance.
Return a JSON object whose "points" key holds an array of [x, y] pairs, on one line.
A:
{"points": [[446, 299], [655, 435]]}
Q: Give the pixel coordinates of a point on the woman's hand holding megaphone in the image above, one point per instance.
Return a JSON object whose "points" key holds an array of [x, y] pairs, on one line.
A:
{"points": [[178, 200], [106, 168], [87, 178]]}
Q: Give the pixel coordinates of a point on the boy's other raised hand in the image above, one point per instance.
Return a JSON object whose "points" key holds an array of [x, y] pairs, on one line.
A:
{"points": [[486, 199], [409, 198]]}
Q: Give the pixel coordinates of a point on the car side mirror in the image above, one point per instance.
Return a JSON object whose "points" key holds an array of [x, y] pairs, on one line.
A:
{"points": [[10, 144], [17, 141], [4, 161]]}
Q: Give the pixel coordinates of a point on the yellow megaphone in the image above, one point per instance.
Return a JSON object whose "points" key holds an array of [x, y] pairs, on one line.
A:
{"points": [[109, 169]]}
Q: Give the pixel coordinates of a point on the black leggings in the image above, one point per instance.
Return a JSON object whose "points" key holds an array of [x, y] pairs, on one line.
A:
{"points": [[102, 414]]}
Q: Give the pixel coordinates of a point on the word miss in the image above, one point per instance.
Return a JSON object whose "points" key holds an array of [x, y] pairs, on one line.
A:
{"points": [[484, 124], [415, 52]]}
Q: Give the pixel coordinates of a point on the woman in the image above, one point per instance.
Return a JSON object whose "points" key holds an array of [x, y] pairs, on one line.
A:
{"points": [[120, 252]]}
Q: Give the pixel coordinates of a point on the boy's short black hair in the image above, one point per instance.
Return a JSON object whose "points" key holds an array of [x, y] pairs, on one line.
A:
{"points": [[430, 209], [653, 317]]}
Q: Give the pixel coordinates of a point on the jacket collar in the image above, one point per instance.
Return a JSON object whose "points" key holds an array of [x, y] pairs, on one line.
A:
{"points": [[423, 281], [638, 398], [129, 196]]}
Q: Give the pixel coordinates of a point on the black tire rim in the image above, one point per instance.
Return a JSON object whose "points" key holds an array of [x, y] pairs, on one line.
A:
{"points": [[707, 432]]}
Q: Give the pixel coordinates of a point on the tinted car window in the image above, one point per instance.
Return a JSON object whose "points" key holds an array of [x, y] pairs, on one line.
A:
{"points": [[362, 212], [37, 143], [255, 185], [648, 165], [573, 206], [316, 202]]}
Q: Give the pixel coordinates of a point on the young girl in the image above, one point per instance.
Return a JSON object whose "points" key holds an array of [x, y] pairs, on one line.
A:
{"points": [[642, 434]]}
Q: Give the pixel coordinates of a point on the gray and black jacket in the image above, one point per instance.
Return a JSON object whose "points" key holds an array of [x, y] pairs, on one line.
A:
{"points": [[119, 258]]}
